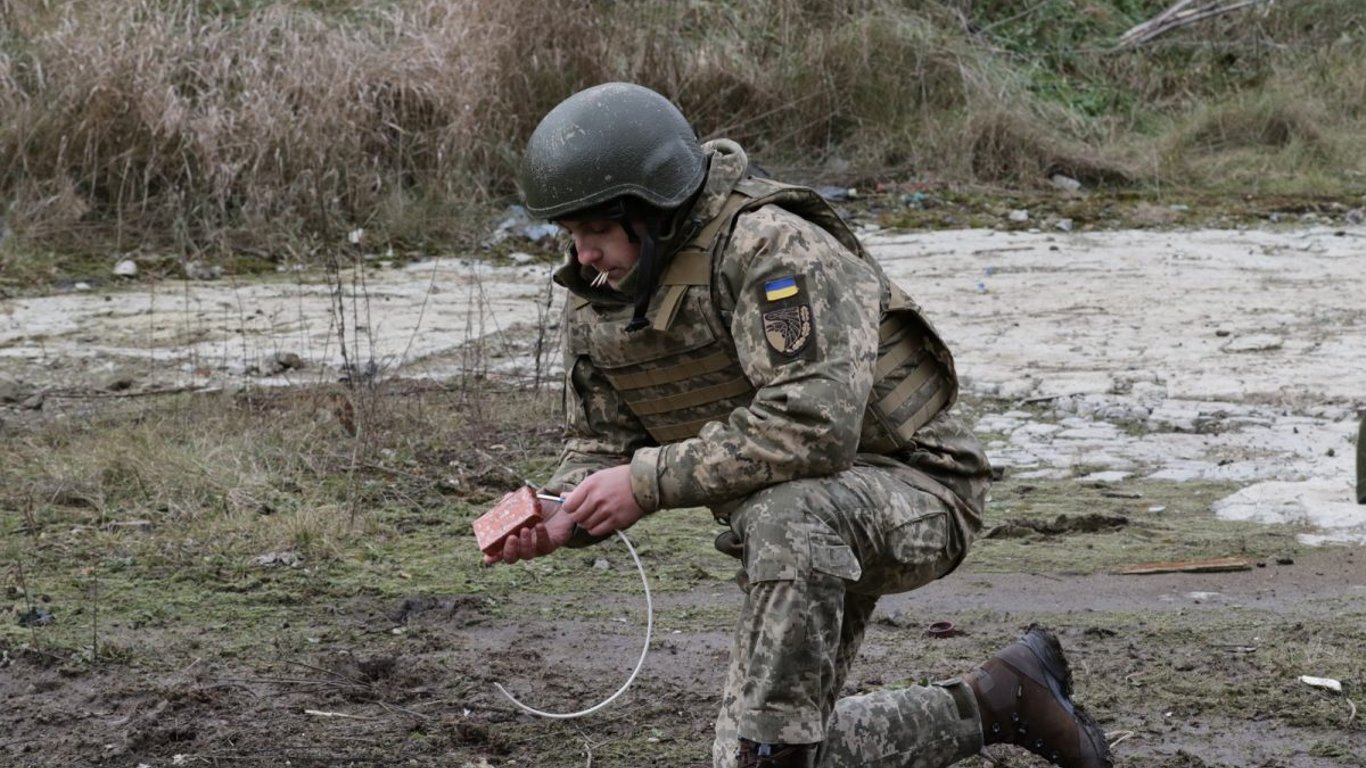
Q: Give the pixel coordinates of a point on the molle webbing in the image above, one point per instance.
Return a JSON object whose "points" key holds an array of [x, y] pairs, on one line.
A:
{"points": [[913, 382], [674, 402], [692, 264], [676, 396], [654, 377]]}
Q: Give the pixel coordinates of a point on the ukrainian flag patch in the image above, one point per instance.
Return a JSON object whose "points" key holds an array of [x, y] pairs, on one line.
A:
{"points": [[782, 288]]}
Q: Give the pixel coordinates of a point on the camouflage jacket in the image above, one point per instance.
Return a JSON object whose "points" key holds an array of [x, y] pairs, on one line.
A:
{"points": [[778, 350]]}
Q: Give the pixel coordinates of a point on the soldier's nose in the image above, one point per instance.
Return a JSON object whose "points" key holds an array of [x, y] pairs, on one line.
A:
{"points": [[587, 253]]}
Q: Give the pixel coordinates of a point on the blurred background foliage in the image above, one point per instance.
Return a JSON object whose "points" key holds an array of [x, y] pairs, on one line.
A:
{"points": [[225, 127]]}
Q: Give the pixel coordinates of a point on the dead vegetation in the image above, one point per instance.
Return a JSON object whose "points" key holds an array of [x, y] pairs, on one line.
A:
{"points": [[214, 128]]}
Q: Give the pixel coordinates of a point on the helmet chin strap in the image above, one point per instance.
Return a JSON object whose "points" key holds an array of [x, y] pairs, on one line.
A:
{"points": [[663, 232], [649, 267], [660, 229]]}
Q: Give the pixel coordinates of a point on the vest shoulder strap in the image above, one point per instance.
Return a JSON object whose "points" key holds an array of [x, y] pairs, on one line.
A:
{"points": [[692, 265]]}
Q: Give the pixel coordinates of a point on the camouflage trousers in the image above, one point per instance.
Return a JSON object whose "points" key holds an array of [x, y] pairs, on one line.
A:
{"points": [[817, 554]]}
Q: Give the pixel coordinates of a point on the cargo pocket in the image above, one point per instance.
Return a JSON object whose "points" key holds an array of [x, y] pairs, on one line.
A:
{"points": [[798, 554], [832, 557], [920, 550]]}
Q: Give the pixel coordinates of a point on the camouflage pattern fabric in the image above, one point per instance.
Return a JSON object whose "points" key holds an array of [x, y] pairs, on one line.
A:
{"points": [[817, 555], [825, 529]]}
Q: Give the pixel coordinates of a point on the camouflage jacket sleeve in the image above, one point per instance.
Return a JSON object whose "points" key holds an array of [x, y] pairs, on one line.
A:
{"points": [[600, 431], [804, 319]]}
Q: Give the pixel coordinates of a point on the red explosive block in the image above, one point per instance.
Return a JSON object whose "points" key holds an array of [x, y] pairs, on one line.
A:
{"points": [[512, 513]]}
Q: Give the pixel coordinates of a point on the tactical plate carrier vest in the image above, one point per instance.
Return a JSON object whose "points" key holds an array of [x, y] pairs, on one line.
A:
{"points": [[683, 371]]}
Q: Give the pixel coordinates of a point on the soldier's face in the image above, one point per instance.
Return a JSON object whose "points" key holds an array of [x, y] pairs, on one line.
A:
{"points": [[603, 245]]}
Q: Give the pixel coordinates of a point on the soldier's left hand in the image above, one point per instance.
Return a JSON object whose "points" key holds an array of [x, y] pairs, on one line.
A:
{"points": [[603, 502]]}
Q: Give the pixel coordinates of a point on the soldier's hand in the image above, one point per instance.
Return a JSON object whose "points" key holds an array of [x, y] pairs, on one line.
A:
{"points": [[604, 503], [535, 540]]}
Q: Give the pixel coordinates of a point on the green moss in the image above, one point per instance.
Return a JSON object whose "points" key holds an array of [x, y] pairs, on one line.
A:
{"points": [[1168, 521]]}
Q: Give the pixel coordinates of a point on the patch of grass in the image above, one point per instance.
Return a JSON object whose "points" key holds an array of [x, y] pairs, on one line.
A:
{"points": [[160, 513], [1253, 672], [1169, 521]]}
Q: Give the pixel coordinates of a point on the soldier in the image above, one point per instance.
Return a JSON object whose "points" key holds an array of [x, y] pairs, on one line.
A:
{"points": [[730, 345]]}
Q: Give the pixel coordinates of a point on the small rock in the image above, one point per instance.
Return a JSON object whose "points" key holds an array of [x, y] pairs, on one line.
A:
{"points": [[1356, 216], [1018, 216], [198, 270], [1257, 342], [601, 564], [117, 382], [34, 402], [519, 258], [126, 268], [11, 391], [280, 362], [289, 360], [1322, 682], [1064, 225], [277, 559], [1065, 183], [81, 286], [36, 617]]}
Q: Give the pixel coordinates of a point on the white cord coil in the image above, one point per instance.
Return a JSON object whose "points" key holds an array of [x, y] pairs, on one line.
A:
{"points": [[649, 630]]}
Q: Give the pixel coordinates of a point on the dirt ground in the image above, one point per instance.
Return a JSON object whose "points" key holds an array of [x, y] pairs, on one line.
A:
{"points": [[1179, 669], [1197, 388]]}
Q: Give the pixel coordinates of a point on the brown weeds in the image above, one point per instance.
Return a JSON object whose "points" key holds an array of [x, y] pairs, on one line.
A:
{"points": [[277, 126]]}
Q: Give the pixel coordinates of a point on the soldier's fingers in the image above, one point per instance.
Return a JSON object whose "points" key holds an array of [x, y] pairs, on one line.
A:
{"points": [[585, 516], [541, 539], [600, 524], [511, 549]]}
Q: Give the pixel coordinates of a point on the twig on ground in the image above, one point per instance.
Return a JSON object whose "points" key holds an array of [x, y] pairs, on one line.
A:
{"points": [[1116, 737], [1175, 17], [403, 710], [320, 713]]}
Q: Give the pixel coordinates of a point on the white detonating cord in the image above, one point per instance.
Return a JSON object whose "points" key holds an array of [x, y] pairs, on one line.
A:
{"points": [[649, 629]]}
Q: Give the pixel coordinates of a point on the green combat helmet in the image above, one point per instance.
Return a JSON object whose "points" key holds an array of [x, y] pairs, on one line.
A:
{"points": [[624, 152], [607, 142]]}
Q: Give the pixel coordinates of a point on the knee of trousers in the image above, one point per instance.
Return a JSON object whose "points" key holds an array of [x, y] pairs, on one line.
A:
{"points": [[785, 535]]}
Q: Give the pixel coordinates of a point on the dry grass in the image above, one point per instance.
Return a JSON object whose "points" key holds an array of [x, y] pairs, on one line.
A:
{"points": [[1268, 143], [213, 127], [299, 469]]}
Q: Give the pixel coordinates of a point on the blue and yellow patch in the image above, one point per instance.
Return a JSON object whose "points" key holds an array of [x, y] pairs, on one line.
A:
{"points": [[789, 325], [782, 288]]}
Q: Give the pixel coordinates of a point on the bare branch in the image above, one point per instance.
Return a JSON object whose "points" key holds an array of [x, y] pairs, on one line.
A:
{"points": [[1175, 17]]}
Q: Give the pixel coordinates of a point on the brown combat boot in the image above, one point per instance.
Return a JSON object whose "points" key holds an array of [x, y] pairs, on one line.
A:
{"points": [[1024, 697], [753, 755]]}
